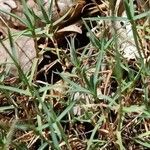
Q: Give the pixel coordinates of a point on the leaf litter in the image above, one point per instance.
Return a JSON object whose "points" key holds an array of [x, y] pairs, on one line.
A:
{"points": [[55, 57]]}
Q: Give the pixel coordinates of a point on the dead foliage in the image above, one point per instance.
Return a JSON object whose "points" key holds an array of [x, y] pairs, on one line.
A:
{"points": [[51, 62]]}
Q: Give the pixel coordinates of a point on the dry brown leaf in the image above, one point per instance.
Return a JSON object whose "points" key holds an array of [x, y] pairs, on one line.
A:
{"points": [[71, 28], [59, 8]]}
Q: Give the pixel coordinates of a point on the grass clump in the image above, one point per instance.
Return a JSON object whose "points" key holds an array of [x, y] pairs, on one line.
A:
{"points": [[79, 96]]}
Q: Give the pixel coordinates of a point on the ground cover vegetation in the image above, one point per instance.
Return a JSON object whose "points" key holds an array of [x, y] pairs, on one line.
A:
{"points": [[78, 75]]}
